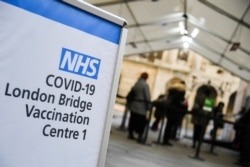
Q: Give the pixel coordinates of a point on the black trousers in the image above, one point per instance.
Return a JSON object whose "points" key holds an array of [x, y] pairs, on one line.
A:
{"points": [[137, 123], [198, 133], [171, 123], [156, 123]]}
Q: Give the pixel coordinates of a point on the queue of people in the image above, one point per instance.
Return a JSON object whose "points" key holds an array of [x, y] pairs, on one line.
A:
{"points": [[173, 106]]}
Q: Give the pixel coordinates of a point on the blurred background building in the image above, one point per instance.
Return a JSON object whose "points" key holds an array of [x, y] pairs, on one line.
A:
{"points": [[205, 43]]}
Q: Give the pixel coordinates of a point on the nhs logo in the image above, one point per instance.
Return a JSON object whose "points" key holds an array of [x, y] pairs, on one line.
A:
{"points": [[79, 63]]}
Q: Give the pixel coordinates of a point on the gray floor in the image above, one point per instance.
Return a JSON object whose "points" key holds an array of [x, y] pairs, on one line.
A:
{"points": [[128, 153]]}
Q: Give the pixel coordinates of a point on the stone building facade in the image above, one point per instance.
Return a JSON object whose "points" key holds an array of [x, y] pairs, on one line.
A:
{"points": [[188, 66]]}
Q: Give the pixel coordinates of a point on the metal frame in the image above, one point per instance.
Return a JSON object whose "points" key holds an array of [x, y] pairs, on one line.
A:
{"points": [[117, 20]]}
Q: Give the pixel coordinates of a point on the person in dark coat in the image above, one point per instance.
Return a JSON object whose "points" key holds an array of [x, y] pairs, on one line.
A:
{"points": [[139, 106], [200, 117], [175, 110], [236, 141], [243, 124], [217, 119], [159, 113]]}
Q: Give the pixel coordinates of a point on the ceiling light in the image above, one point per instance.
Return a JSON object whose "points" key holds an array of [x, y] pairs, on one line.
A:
{"points": [[202, 21], [195, 32], [181, 25], [185, 45], [186, 39], [183, 31]]}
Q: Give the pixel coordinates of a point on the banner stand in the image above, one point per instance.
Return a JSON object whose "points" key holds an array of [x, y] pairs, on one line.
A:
{"points": [[60, 68]]}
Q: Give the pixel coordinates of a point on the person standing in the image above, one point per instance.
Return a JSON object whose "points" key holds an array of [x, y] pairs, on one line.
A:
{"points": [[175, 110], [236, 141], [217, 118], [139, 106], [159, 113], [243, 124], [201, 113]]}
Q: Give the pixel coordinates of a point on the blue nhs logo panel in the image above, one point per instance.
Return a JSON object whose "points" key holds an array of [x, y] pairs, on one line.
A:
{"points": [[79, 63]]}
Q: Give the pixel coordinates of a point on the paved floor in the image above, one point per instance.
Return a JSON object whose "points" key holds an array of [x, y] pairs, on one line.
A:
{"points": [[128, 153]]}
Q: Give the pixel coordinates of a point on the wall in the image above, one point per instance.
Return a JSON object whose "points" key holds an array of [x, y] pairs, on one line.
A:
{"points": [[192, 68]]}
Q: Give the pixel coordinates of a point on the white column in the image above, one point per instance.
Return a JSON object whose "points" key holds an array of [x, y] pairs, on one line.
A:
{"points": [[246, 101], [228, 132], [240, 96]]}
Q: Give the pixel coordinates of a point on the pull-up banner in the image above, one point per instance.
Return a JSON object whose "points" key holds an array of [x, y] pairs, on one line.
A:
{"points": [[59, 68]]}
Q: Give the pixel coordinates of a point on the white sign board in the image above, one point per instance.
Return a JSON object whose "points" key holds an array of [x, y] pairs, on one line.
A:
{"points": [[59, 68]]}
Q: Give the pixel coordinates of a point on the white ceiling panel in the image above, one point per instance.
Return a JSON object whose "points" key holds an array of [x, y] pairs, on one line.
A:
{"points": [[234, 69], [120, 10], [207, 53], [147, 11], [240, 58], [164, 45], [212, 19], [243, 36], [140, 48], [247, 17], [233, 7], [135, 35], [159, 31], [207, 40], [153, 25]]}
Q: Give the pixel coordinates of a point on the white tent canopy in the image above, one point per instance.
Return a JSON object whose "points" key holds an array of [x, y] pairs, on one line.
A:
{"points": [[222, 26]]}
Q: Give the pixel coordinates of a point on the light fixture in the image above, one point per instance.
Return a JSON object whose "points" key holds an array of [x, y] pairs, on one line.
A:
{"points": [[181, 25], [186, 38], [183, 31], [186, 41], [202, 21], [195, 32], [186, 45]]}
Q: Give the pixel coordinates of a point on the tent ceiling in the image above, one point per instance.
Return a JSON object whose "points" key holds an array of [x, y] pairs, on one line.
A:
{"points": [[154, 26]]}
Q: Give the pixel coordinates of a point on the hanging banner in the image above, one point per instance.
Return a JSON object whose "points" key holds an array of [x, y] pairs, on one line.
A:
{"points": [[59, 68]]}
